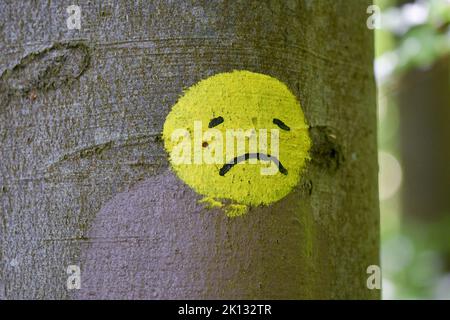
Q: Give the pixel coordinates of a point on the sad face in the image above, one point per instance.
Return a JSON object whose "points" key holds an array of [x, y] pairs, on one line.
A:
{"points": [[238, 137]]}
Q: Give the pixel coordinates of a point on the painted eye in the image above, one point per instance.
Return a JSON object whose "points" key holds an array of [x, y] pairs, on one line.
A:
{"points": [[215, 122], [281, 124]]}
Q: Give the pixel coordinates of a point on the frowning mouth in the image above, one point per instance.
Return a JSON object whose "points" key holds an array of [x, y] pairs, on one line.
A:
{"points": [[260, 156]]}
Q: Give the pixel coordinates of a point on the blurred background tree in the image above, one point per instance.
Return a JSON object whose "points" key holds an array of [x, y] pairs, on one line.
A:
{"points": [[413, 75]]}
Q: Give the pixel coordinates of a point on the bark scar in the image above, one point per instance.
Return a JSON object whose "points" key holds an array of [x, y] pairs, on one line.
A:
{"points": [[48, 69], [326, 152]]}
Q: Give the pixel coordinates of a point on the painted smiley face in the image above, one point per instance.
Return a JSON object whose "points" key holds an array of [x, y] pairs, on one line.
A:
{"points": [[238, 137]]}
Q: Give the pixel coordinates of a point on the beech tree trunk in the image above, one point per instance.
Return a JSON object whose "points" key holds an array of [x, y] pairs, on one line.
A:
{"points": [[85, 180]]}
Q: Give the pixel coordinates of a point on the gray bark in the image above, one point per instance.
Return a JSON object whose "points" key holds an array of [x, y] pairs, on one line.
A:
{"points": [[84, 178]]}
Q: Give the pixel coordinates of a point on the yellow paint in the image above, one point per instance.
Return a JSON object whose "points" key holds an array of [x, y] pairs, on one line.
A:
{"points": [[245, 100], [211, 203], [236, 210]]}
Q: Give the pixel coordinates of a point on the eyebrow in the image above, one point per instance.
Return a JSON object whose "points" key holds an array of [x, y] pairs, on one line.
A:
{"points": [[215, 122], [281, 124]]}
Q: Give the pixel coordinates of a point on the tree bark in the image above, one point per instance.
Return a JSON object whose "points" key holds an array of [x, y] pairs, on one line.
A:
{"points": [[85, 180]]}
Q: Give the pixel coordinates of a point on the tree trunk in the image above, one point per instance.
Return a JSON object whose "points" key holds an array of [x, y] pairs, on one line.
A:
{"points": [[85, 180], [423, 100]]}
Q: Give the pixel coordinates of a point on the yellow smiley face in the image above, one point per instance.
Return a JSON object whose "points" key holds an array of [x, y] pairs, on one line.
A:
{"points": [[239, 138]]}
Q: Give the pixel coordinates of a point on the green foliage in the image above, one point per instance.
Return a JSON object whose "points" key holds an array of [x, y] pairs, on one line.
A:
{"points": [[416, 259], [416, 34], [415, 255]]}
